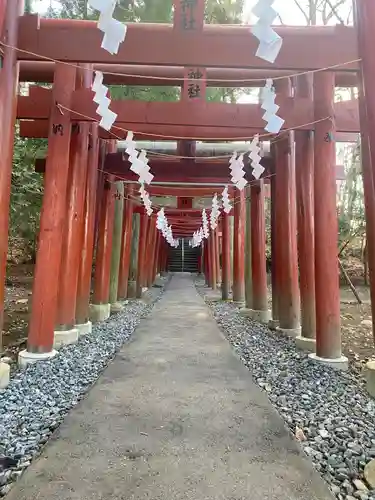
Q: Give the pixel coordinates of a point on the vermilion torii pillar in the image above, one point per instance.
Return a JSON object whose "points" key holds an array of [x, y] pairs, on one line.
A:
{"points": [[246, 311], [212, 240], [134, 251], [305, 222], [327, 292], [65, 331], [275, 251], [364, 22], [116, 247], [84, 278], [143, 233], [260, 311], [8, 99], [286, 232], [151, 252], [46, 282], [225, 259], [100, 308], [126, 244], [239, 247]]}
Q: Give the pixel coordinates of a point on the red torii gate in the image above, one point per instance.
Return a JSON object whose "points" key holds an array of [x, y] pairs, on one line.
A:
{"points": [[308, 48]]}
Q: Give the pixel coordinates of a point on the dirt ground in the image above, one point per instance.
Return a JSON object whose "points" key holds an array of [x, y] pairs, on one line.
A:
{"points": [[17, 300], [358, 342]]}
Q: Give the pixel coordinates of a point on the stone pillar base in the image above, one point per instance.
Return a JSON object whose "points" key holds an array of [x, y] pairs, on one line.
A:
{"points": [[84, 328], [116, 307], [273, 324], [289, 332], [239, 303], [27, 358], [261, 316], [99, 312], [65, 337], [340, 363], [305, 343], [4, 375], [370, 378], [246, 312], [132, 289]]}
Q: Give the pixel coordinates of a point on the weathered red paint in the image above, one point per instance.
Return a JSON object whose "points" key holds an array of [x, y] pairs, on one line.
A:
{"points": [[52, 219], [74, 221], [275, 250], [258, 248], [85, 268], [305, 215], [364, 22], [194, 116], [151, 252], [225, 259], [327, 297], [104, 244], [141, 253], [304, 47], [9, 13], [305, 222], [213, 259], [148, 76], [239, 247], [286, 220], [126, 243]]}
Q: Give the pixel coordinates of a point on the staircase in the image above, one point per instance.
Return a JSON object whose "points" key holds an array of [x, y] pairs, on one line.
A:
{"points": [[183, 258]]}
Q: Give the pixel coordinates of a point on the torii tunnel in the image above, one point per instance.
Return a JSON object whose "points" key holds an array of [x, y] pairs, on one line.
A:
{"points": [[91, 204]]}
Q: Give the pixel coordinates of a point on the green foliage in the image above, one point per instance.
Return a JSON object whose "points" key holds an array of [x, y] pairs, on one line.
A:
{"points": [[26, 197]]}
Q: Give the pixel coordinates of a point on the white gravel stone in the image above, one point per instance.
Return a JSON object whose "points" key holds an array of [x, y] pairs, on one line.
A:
{"points": [[38, 397], [331, 407]]}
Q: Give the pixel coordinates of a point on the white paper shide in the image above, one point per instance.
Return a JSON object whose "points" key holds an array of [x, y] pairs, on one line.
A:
{"points": [[114, 31], [108, 117], [267, 98], [270, 42]]}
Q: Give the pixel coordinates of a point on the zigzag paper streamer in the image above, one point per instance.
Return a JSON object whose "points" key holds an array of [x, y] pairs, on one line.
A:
{"points": [[114, 31], [270, 42], [215, 212], [255, 158], [227, 207], [268, 96], [236, 166], [108, 117]]}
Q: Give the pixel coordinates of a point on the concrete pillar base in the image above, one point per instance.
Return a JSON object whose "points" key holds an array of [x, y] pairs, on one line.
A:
{"points": [[370, 378], [246, 312], [289, 332], [65, 337], [84, 328], [262, 317], [273, 324], [239, 303], [132, 289], [340, 363], [116, 307], [99, 312], [4, 375], [212, 299], [27, 358], [305, 343]]}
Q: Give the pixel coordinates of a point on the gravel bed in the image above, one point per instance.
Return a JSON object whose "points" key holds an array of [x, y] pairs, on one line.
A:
{"points": [[327, 410], [38, 398]]}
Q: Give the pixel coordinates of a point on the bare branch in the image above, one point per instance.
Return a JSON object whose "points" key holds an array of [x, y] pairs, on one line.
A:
{"points": [[334, 10], [303, 11], [280, 19]]}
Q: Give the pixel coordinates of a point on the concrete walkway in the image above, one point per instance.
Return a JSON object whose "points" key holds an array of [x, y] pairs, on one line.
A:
{"points": [[176, 416]]}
